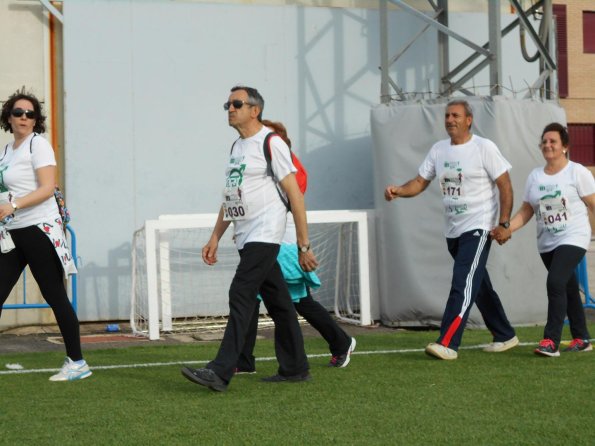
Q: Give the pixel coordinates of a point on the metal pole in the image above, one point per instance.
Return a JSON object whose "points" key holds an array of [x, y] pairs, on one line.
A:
{"points": [[384, 75], [443, 60], [495, 47]]}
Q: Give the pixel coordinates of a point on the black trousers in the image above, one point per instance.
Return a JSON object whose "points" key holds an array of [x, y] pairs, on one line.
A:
{"points": [[563, 293], [34, 248], [259, 271], [316, 315]]}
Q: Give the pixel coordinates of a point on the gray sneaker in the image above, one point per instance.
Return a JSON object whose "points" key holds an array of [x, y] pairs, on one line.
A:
{"points": [[205, 377]]}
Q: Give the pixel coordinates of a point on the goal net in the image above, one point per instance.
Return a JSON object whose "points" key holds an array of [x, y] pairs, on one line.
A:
{"points": [[173, 290]]}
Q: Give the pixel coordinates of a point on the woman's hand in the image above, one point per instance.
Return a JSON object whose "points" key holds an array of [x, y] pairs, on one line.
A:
{"points": [[501, 234], [6, 209]]}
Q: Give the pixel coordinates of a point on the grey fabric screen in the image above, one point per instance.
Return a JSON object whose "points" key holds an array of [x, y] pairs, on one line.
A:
{"points": [[414, 265]]}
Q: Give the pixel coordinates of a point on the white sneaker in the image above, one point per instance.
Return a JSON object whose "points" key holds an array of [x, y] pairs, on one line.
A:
{"points": [[441, 352], [497, 347], [71, 371]]}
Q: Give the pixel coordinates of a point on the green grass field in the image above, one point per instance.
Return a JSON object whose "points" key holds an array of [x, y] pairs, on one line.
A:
{"points": [[385, 396]]}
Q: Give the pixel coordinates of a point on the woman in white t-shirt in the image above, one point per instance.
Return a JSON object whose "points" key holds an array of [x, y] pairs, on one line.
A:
{"points": [[559, 195], [31, 231]]}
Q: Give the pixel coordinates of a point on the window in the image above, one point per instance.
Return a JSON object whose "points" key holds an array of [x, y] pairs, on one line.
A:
{"points": [[589, 31], [562, 49], [582, 143]]}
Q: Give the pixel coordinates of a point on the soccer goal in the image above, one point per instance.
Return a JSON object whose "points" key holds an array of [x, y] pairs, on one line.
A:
{"points": [[173, 290]]}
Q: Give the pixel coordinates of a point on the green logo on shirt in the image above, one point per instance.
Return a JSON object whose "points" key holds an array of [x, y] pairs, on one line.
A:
{"points": [[236, 176], [2, 186]]}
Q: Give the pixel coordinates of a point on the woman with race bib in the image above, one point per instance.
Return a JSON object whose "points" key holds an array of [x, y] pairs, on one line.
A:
{"points": [[559, 195], [31, 229]]}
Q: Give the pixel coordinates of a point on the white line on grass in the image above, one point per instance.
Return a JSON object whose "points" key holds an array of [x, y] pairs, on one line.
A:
{"points": [[264, 359]]}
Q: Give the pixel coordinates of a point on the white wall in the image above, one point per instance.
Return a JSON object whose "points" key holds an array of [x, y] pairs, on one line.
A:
{"points": [[146, 133]]}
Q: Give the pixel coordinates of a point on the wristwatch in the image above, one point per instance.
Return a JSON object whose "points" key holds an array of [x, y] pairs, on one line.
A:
{"points": [[505, 224], [14, 205], [304, 248]]}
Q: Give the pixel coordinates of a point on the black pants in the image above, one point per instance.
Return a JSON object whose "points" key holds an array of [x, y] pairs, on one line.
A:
{"points": [[563, 293], [316, 315], [34, 248], [259, 271]]}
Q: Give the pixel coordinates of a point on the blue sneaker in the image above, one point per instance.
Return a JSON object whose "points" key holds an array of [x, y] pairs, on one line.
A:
{"points": [[72, 371]]}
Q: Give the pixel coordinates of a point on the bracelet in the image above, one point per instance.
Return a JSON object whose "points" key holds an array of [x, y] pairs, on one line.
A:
{"points": [[14, 205]]}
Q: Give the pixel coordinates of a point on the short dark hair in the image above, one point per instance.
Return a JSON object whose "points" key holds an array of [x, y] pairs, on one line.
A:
{"points": [[557, 127], [39, 126], [254, 97]]}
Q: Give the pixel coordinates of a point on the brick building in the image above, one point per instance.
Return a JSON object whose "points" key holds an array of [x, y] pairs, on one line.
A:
{"points": [[575, 23]]}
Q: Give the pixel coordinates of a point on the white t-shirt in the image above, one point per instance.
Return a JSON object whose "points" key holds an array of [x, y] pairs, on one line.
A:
{"points": [[562, 217], [467, 174], [266, 214], [290, 236], [17, 175]]}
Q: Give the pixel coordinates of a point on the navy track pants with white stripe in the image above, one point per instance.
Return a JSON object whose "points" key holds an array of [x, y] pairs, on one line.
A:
{"points": [[471, 284]]}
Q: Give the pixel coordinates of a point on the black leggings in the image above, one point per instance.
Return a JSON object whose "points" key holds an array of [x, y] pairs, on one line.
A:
{"points": [[563, 293], [34, 248], [315, 314]]}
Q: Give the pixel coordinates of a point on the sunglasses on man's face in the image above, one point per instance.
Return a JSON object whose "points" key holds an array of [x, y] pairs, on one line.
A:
{"points": [[18, 112], [237, 104]]}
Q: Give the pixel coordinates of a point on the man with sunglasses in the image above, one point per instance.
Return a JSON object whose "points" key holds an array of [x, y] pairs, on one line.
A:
{"points": [[251, 201]]}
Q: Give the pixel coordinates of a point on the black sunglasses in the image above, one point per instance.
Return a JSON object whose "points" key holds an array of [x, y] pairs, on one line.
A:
{"points": [[18, 112], [237, 104]]}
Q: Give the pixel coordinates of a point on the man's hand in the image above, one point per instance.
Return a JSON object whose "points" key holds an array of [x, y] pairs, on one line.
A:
{"points": [[391, 192], [307, 260], [501, 234], [209, 252]]}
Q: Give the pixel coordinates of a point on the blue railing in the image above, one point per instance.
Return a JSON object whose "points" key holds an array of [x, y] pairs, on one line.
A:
{"points": [[73, 281], [583, 283]]}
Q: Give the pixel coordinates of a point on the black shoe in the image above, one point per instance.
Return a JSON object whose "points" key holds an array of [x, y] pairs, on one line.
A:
{"points": [[304, 376], [205, 377], [239, 371]]}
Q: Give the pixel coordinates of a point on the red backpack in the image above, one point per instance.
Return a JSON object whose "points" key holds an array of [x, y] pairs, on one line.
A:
{"points": [[301, 175]]}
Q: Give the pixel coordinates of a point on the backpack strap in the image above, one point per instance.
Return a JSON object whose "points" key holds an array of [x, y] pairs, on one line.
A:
{"points": [[266, 147], [31, 143]]}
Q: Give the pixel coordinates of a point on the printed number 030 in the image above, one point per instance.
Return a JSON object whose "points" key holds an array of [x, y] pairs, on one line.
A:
{"points": [[235, 211]]}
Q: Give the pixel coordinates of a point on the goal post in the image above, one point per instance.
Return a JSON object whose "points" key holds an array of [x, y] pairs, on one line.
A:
{"points": [[173, 290]]}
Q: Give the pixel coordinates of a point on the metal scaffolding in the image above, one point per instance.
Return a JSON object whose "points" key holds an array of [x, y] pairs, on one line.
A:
{"points": [[484, 55]]}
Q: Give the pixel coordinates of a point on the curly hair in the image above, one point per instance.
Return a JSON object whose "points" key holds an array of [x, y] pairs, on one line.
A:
{"points": [[278, 128], [7, 107]]}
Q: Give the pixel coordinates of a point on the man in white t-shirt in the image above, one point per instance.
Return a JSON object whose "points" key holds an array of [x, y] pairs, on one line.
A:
{"points": [[472, 174], [251, 200]]}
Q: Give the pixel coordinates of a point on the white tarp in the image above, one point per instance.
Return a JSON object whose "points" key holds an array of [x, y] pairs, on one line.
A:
{"points": [[414, 265]]}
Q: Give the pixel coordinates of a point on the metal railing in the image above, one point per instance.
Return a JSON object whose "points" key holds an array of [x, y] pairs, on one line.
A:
{"points": [[72, 281], [583, 283]]}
